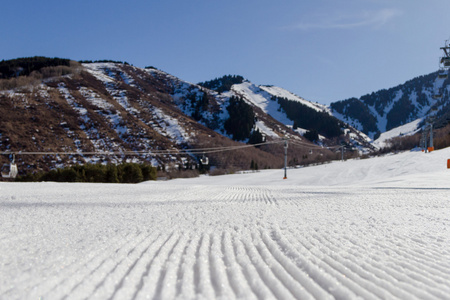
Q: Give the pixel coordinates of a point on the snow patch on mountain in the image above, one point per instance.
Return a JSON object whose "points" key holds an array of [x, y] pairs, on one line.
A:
{"points": [[382, 118], [170, 127], [354, 123], [82, 112], [107, 72], [106, 110], [261, 126], [93, 98], [102, 71], [282, 93], [96, 70], [262, 99], [90, 131]]}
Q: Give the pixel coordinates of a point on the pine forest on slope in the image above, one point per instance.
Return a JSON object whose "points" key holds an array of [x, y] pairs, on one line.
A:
{"points": [[386, 109]]}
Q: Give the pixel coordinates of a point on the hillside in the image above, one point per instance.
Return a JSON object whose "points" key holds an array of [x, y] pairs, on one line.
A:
{"points": [[114, 112], [387, 109], [308, 119]]}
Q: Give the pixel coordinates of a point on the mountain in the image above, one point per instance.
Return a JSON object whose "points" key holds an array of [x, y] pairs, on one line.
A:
{"points": [[98, 112], [270, 103], [387, 109], [107, 111]]}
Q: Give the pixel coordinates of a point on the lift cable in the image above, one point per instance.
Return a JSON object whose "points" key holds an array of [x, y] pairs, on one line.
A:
{"points": [[298, 143], [141, 152]]}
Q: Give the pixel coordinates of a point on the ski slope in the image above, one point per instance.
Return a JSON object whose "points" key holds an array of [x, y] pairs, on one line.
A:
{"points": [[368, 229], [407, 129]]}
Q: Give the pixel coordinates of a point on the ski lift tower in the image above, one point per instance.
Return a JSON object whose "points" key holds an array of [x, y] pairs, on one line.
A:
{"points": [[285, 157], [427, 135], [445, 60], [444, 65], [429, 129]]}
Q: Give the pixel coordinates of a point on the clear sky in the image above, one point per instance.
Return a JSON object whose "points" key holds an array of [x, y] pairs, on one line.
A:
{"points": [[322, 50]]}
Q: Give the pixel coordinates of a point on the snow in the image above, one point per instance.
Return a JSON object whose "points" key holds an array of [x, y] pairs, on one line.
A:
{"points": [[170, 126], [102, 71], [382, 119], [282, 93], [407, 129], [95, 99], [95, 69], [371, 229], [261, 99], [265, 130], [354, 123], [100, 144]]}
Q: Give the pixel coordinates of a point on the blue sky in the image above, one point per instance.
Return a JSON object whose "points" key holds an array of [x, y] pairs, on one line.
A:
{"points": [[322, 50]]}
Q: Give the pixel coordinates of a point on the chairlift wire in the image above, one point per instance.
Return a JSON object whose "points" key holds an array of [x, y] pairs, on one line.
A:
{"points": [[298, 143], [141, 152]]}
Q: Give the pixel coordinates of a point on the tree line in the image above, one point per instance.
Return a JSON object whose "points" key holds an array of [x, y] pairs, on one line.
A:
{"points": [[305, 117], [123, 173], [241, 121], [403, 111], [223, 83], [25, 66], [357, 110], [106, 61]]}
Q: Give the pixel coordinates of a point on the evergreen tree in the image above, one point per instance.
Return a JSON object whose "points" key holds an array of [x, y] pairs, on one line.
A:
{"points": [[94, 173], [131, 173], [308, 118], [24, 66], [127, 173], [148, 172], [222, 84], [256, 137], [312, 135], [68, 175], [241, 120], [112, 175]]}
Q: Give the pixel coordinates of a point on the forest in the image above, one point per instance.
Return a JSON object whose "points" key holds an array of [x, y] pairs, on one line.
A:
{"points": [[123, 173], [241, 121], [25, 66], [223, 83], [310, 119]]}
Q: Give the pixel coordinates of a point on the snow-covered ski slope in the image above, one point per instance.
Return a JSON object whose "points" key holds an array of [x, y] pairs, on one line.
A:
{"points": [[369, 229]]}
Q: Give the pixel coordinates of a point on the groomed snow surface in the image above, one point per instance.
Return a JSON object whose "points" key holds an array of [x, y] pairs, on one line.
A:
{"points": [[371, 229]]}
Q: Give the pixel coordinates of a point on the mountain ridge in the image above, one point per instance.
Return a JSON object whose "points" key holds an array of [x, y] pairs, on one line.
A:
{"points": [[387, 109], [114, 106]]}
